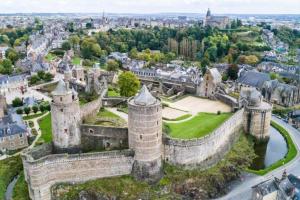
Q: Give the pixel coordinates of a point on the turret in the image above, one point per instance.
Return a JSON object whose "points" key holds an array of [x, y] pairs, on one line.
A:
{"points": [[145, 135], [257, 115], [65, 115]]}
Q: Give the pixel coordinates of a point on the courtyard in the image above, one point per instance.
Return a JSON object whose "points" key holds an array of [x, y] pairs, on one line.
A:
{"points": [[200, 125]]}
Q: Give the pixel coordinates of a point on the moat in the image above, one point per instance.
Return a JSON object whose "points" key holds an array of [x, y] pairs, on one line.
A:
{"points": [[271, 151]]}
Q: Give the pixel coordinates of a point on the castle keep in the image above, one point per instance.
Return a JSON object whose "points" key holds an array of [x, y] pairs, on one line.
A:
{"points": [[82, 152]]}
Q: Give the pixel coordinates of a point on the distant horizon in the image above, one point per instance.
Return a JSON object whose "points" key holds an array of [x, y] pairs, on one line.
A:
{"points": [[150, 7]]}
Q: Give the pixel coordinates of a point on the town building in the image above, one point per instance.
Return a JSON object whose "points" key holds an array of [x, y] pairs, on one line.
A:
{"points": [[294, 118], [216, 21], [211, 79], [13, 83]]}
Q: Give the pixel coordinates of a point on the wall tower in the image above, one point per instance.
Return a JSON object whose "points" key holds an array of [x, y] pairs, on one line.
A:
{"points": [[145, 135], [65, 119]]}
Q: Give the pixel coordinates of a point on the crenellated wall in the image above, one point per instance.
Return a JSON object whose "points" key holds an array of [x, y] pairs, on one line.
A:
{"points": [[205, 151], [42, 173]]}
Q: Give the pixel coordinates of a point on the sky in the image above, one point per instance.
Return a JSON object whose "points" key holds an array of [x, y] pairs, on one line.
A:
{"points": [[152, 6]]}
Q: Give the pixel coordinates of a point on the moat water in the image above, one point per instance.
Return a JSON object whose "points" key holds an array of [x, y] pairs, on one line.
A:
{"points": [[271, 151]]}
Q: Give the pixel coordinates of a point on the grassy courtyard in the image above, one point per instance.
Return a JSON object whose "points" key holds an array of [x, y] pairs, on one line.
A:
{"points": [[45, 126], [105, 118], [199, 126]]}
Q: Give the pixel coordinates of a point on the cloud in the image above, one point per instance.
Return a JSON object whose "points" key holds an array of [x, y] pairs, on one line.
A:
{"points": [[153, 6]]}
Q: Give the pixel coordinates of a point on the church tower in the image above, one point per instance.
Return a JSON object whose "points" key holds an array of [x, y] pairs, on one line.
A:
{"points": [[66, 119], [145, 135]]}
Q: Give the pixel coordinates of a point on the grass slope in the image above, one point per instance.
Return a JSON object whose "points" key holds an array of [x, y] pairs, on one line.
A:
{"points": [[199, 126], [9, 168], [45, 126], [20, 191]]}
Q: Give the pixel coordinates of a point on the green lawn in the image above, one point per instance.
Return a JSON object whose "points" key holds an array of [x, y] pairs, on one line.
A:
{"points": [[292, 152], [113, 93], [29, 117], [198, 126], [20, 191], [49, 57], [179, 118], [9, 168], [76, 61], [45, 126]]}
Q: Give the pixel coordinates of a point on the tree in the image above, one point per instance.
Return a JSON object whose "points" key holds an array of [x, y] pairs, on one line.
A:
{"points": [[232, 72], [35, 109], [66, 46], [34, 79], [6, 67], [27, 110], [273, 76], [112, 65], [48, 107], [129, 84], [12, 55], [19, 111], [74, 41], [133, 53], [48, 77], [42, 108], [17, 102]]}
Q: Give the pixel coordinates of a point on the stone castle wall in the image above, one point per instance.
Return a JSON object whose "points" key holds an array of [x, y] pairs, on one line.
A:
{"points": [[103, 138], [90, 108], [205, 151], [42, 173]]}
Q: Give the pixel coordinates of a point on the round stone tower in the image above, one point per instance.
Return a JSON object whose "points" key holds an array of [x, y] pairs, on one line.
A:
{"points": [[65, 115], [257, 114], [145, 135]]}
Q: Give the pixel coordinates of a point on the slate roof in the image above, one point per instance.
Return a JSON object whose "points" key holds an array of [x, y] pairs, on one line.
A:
{"points": [[253, 78], [61, 88], [8, 127], [144, 97]]}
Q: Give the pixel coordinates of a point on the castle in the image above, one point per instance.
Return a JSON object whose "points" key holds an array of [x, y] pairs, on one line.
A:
{"points": [[82, 152]]}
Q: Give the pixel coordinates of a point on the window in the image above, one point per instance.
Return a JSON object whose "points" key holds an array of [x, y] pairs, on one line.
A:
{"points": [[91, 130], [21, 135], [61, 98], [62, 110], [66, 130], [141, 137]]}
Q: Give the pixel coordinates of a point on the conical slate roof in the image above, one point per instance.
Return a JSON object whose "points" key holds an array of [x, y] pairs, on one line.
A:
{"points": [[144, 97], [61, 88]]}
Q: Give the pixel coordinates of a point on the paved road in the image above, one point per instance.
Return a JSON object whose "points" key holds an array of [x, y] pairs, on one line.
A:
{"points": [[242, 189]]}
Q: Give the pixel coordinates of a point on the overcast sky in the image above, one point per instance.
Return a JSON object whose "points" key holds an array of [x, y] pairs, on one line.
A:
{"points": [[153, 6]]}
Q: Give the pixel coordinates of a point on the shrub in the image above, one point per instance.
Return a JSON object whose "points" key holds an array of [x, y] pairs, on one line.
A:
{"points": [[35, 109], [17, 102], [19, 111]]}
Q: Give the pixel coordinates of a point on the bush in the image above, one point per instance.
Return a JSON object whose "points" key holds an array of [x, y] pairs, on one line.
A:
{"points": [[35, 109], [219, 112], [19, 111], [27, 110], [17, 102]]}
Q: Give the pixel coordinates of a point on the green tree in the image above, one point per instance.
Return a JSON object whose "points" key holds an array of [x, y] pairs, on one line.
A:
{"points": [[34, 79], [6, 67], [17, 102], [42, 108], [66, 46], [74, 40], [27, 110], [35, 109], [129, 84], [232, 72], [19, 111], [112, 65], [12, 55]]}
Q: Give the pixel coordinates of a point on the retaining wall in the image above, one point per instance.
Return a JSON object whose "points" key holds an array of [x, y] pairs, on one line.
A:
{"points": [[205, 151]]}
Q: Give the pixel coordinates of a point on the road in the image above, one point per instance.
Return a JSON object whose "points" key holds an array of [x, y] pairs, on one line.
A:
{"points": [[242, 189]]}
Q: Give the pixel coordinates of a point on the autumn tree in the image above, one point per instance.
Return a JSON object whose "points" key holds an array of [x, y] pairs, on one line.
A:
{"points": [[129, 84]]}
